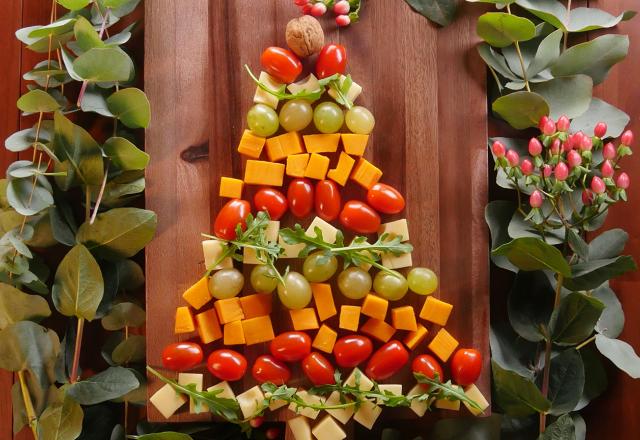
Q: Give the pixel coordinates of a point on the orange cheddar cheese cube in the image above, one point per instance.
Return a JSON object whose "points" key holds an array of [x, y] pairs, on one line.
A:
{"points": [[404, 318], [323, 298], [257, 330], [184, 320], [354, 143], [233, 333], [231, 188], [325, 339], [317, 167], [260, 172], [375, 307], [304, 319], [280, 147], [365, 173], [378, 329], [208, 326], [436, 311], [322, 143], [198, 294], [413, 339], [229, 310], [258, 304], [296, 164], [443, 345], [251, 145], [341, 172], [349, 318]]}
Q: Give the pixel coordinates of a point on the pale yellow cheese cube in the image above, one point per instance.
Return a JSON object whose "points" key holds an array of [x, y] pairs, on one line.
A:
{"points": [[352, 94], [300, 428], [167, 400], [277, 404], [226, 393], [213, 250], [342, 414], [249, 255], [473, 393], [195, 379], [290, 250], [328, 429], [250, 401], [367, 414], [452, 405], [397, 262], [395, 389], [417, 406], [328, 231], [311, 399], [264, 97], [309, 84], [365, 382], [397, 228]]}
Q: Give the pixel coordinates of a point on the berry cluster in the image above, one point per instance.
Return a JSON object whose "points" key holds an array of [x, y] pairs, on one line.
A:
{"points": [[561, 162], [346, 10]]}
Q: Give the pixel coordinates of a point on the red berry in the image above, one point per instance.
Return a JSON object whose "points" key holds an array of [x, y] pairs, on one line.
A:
{"points": [[272, 433], [256, 422], [498, 149], [512, 158], [535, 147], [549, 127], [609, 151], [627, 138], [586, 143], [563, 124], [597, 185], [535, 199], [587, 197], [301, 2], [600, 129], [607, 169], [547, 170], [574, 159], [555, 146], [342, 7], [318, 9], [561, 171], [306, 9], [543, 120], [343, 20], [623, 181], [527, 167]]}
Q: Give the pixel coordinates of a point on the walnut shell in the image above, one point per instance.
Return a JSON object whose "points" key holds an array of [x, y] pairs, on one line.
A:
{"points": [[304, 36]]}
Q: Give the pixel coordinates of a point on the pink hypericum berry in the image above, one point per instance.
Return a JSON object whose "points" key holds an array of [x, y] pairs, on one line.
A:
{"points": [[627, 138], [256, 422], [343, 20], [527, 167], [342, 7], [609, 151], [272, 433], [512, 158], [498, 149], [301, 2], [555, 146], [597, 185], [607, 169], [543, 120], [586, 144], [600, 129], [547, 170], [587, 197], [318, 9], [574, 159], [535, 199], [622, 181], [535, 147], [563, 124], [561, 171], [549, 127]]}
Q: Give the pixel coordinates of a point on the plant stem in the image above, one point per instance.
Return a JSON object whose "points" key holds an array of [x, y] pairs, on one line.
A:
{"points": [[87, 203], [586, 342], [85, 83], [524, 70], [28, 405], [100, 194], [566, 33], [76, 351]]}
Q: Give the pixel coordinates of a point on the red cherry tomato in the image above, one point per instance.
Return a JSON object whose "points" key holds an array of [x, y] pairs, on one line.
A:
{"points": [[181, 356], [331, 60], [466, 365], [290, 346], [233, 212], [300, 197], [327, 200], [352, 350], [427, 365], [387, 361], [385, 199], [272, 201], [227, 364], [359, 217], [318, 369], [281, 63], [268, 369]]}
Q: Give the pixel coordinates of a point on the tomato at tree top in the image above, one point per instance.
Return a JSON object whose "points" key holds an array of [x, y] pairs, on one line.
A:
{"points": [[268, 369], [227, 364], [350, 351], [466, 365], [359, 217], [318, 369], [233, 212], [281, 63], [385, 199], [327, 200], [290, 346], [387, 361], [300, 197], [331, 60], [181, 356], [272, 201], [427, 365]]}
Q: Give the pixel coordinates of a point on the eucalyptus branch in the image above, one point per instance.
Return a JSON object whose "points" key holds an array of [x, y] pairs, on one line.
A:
{"points": [[520, 58], [32, 419]]}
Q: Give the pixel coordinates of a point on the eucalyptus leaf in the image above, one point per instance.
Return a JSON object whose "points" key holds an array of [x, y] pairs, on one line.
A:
{"points": [[124, 154], [24, 139], [547, 52], [530, 253], [611, 321], [551, 11], [561, 429], [500, 29], [132, 349], [438, 11], [621, 354], [61, 421], [567, 95], [86, 36], [498, 214], [28, 199], [104, 65], [530, 304], [609, 244], [16, 306], [600, 111], [577, 318], [511, 351], [517, 395], [579, 425], [125, 314], [495, 61], [94, 100], [131, 107], [590, 274], [595, 382], [62, 231], [106, 385], [78, 285], [68, 60], [130, 275], [588, 19], [521, 109], [37, 101], [578, 245], [566, 381], [26, 345], [74, 5]]}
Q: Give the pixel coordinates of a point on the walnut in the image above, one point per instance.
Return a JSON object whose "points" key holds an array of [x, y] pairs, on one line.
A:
{"points": [[305, 36]]}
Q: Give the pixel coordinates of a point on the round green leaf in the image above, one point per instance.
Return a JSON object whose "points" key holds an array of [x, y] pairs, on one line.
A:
{"points": [[530, 304], [16, 305], [621, 354], [122, 315], [24, 139], [600, 111], [131, 349], [576, 319], [104, 65], [590, 274], [566, 381], [521, 109], [438, 11], [609, 244], [37, 101], [130, 106], [611, 321], [124, 154], [86, 36], [110, 384], [74, 5], [516, 395], [94, 100], [500, 29], [548, 51], [561, 428], [56, 28], [61, 421], [510, 351], [569, 95], [551, 11], [530, 253], [595, 381], [26, 199], [588, 19], [26, 345], [498, 214]]}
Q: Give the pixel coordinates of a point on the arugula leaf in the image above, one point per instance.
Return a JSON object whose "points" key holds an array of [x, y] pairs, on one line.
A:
{"points": [[281, 93], [445, 390]]}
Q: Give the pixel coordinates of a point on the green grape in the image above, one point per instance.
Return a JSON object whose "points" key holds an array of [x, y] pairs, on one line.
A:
{"points": [[422, 281], [354, 283], [360, 120], [296, 291], [328, 117], [263, 279], [226, 283], [262, 120], [295, 115], [319, 267], [389, 286]]}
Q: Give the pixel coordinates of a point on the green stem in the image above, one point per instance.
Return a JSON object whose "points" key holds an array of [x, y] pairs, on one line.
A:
{"points": [[28, 405], [566, 33], [586, 342], [521, 58]]}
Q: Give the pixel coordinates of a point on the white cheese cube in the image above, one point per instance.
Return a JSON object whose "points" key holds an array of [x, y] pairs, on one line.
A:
{"points": [[290, 250], [310, 399], [309, 84], [452, 405], [226, 393], [396, 228], [473, 393], [328, 231], [277, 404], [299, 427], [342, 414], [195, 379], [354, 91], [395, 389], [365, 383], [264, 97], [418, 407], [212, 250], [250, 401], [367, 414], [397, 262], [167, 400], [249, 255], [328, 429]]}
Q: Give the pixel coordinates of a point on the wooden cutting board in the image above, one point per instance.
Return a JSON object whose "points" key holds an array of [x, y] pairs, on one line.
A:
{"points": [[425, 86]]}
